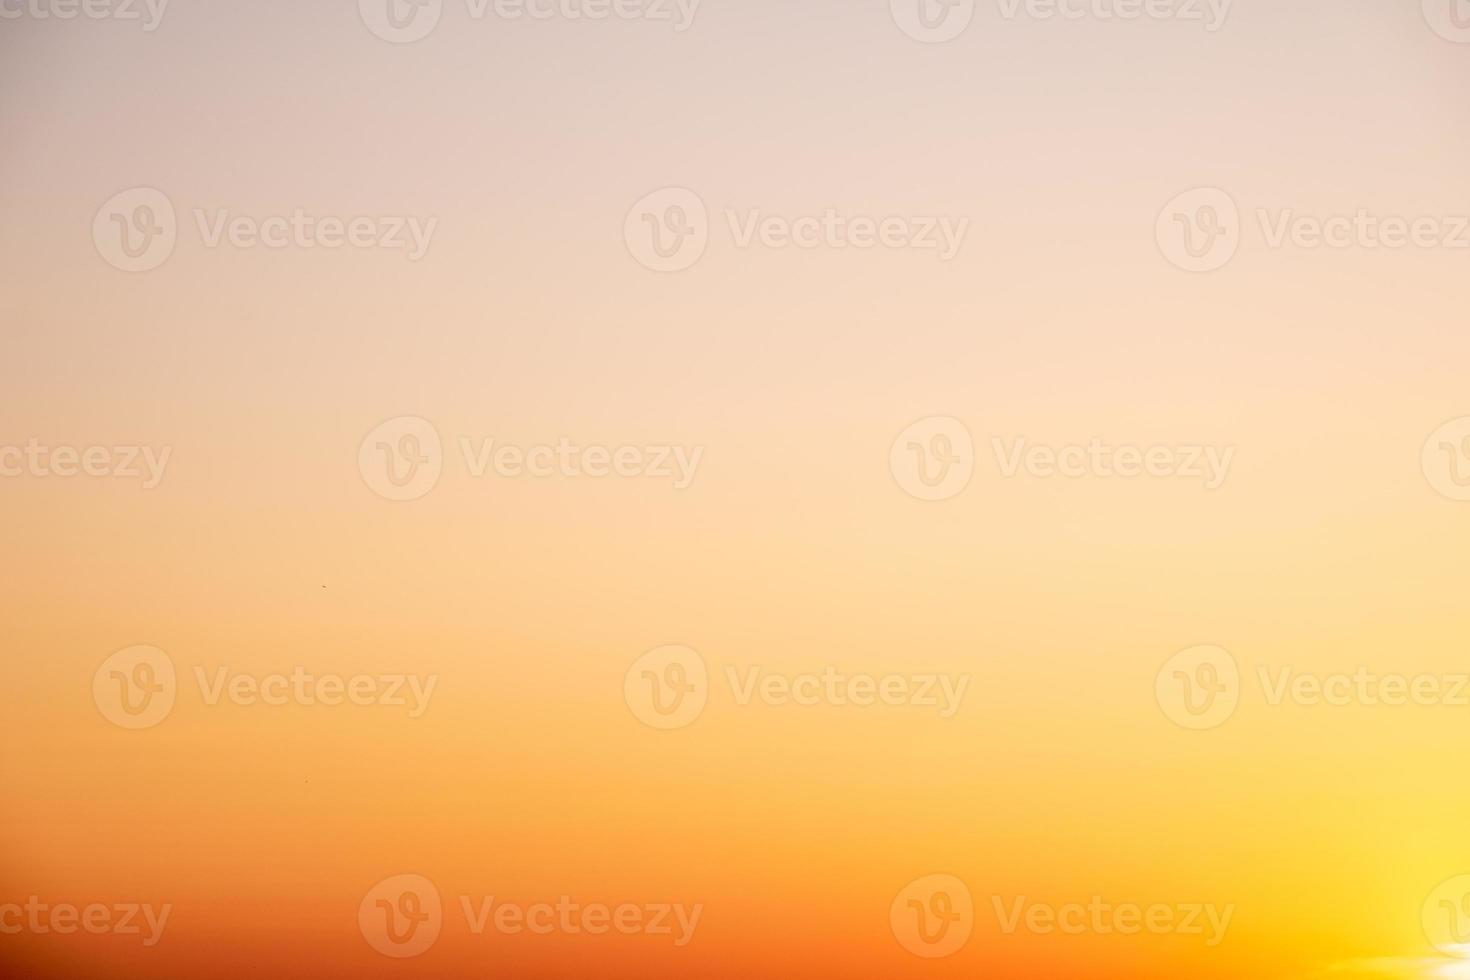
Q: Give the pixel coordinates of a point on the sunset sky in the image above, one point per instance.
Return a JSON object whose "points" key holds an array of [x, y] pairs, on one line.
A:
{"points": [[624, 462]]}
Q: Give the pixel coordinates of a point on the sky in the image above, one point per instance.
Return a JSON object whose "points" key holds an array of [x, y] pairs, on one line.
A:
{"points": [[648, 489]]}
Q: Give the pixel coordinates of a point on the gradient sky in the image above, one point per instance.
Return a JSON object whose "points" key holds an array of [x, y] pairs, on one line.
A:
{"points": [[529, 321]]}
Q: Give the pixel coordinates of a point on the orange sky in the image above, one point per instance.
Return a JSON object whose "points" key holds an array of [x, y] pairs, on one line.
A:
{"points": [[785, 604]]}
